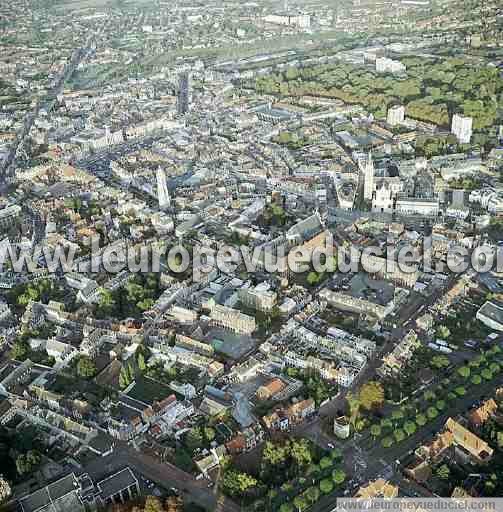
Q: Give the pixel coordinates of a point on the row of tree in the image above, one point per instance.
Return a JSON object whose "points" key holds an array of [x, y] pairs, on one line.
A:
{"points": [[432, 92]]}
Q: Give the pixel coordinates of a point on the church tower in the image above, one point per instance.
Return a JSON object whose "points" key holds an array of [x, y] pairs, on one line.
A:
{"points": [[162, 190], [368, 176]]}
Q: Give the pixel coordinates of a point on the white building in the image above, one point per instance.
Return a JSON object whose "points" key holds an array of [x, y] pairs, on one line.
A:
{"points": [[9, 215], [290, 20], [232, 319], [5, 311], [194, 345], [367, 168], [385, 192], [162, 190], [183, 315], [385, 65], [488, 198], [162, 222], [396, 115], [57, 349], [260, 297], [416, 206], [491, 314], [188, 391], [462, 128]]}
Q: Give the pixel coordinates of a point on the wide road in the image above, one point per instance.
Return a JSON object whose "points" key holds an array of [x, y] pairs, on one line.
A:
{"points": [[47, 103], [164, 474], [456, 407]]}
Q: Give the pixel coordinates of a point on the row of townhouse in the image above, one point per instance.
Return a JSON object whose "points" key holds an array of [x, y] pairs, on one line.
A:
{"points": [[341, 374], [284, 418], [400, 355], [129, 418], [353, 354]]}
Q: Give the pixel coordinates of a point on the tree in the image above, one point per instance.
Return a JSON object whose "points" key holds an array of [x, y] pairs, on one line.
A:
{"points": [[494, 350], [338, 476], [476, 379], [26, 463], [183, 459], [145, 304], [474, 363], [141, 362], [313, 278], [273, 454], [194, 439], [399, 435], [153, 504], [124, 378], [326, 486], [464, 371], [460, 391], [387, 442], [86, 367], [429, 396], [130, 373], [432, 412], [291, 73], [371, 395], [443, 332], [209, 434], [495, 368], [421, 420], [443, 472], [354, 407], [360, 425], [313, 494], [397, 415], [284, 137], [5, 490], [336, 454], [375, 431], [409, 427], [237, 483], [301, 453], [440, 405], [439, 362], [286, 507], [486, 374], [325, 463], [20, 350], [300, 503], [106, 303], [174, 504], [386, 424]]}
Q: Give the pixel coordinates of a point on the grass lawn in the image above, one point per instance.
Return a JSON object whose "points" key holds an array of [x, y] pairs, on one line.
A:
{"points": [[148, 390]]}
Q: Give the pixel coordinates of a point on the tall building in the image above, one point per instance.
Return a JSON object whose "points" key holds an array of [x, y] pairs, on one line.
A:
{"points": [[232, 319], [260, 297], [183, 100], [396, 115], [385, 65], [462, 128], [368, 175], [292, 20], [162, 190]]}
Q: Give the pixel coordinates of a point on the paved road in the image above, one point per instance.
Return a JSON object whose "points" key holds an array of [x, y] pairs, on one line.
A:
{"points": [[47, 103], [164, 474], [459, 406], [366, 460]]}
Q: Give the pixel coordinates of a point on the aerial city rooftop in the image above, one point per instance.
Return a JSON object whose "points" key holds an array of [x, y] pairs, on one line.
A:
{"points": [[205, 212]]}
